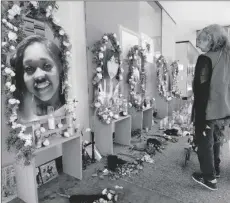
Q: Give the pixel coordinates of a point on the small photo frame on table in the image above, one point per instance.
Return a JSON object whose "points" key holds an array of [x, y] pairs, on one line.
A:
{"points": [[46, 173]]}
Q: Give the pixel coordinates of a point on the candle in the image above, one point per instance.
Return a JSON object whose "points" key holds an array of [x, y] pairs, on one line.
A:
{"points": [[51, 120]]}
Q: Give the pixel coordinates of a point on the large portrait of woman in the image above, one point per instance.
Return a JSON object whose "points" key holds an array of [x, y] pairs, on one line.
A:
{"points": [[39, 72]]}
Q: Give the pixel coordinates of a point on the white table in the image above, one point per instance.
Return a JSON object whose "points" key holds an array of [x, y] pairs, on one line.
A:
{"points": [[104, 134]]}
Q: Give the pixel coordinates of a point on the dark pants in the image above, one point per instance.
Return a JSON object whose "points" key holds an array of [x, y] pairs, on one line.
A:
{"points": [[209, 150]]}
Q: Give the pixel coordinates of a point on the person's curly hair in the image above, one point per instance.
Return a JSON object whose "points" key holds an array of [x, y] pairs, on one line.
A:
{"points": [[219, 37]]}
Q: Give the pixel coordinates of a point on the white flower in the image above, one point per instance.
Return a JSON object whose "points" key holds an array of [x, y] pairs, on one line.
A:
{"points": [[12, 74], [15, 29], [12, 101], [15, 10], [108, 122], [114, 35], [13, 118], [130, 57], [12, 47], [66, 43], [99, 69], [34, 3], [122, 70], [10, 25], [67, 53], [118, 43], [12, 36], [23, 128], [48, 13], [28, 142], [101, 55], [104, 117], [120, 77], [4, 44], [8, 84], [99, 75], [135, 57], [97, 104], [4, 20], [7, 70], [87, 130], [105, 37], [56, 21], [111, 114], [102, 48], [50, 8], [12, 88], [61, 32]]}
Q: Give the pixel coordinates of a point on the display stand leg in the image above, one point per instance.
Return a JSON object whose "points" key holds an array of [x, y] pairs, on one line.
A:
{"points": [[147, 119], [137, 117], [93, 144], [123, 131], [72, 157], [104, 137], [26, 182]]}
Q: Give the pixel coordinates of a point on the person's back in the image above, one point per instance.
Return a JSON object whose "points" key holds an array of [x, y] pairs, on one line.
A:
{"points": [[219, 95]]}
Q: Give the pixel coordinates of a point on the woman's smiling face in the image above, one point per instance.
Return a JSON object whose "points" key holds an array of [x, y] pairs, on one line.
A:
{"points": [[41, 74]]}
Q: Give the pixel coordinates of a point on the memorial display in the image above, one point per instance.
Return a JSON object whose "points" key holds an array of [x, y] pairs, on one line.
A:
{"points": [[35, 64], [137, 77], [106, 81]]}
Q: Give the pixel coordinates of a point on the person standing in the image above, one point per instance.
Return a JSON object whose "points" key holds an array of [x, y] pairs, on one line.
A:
{"points": [[211, 107]]}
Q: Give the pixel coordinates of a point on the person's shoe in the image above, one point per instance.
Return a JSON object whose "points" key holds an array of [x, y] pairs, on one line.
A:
{"points": [[211, 185]]}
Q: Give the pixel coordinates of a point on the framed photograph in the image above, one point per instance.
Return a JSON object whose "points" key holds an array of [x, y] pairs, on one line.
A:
{"points": [[9, 185], [48, 171]]}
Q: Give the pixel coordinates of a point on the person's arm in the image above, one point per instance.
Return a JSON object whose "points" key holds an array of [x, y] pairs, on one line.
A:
{"points": [[202, 88]]}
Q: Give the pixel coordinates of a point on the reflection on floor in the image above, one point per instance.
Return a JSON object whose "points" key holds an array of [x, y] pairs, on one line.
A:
{"points": [[165, 181]]}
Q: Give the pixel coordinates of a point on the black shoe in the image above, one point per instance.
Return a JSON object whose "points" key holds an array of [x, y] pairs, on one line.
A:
{"points": [[211, 185]]}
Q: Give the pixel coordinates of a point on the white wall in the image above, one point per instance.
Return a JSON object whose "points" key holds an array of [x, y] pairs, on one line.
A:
{"points": [[168, 37], [72, 19]]}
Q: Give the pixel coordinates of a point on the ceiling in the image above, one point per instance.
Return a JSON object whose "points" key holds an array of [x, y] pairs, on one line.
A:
{"points": [[194, 15]]}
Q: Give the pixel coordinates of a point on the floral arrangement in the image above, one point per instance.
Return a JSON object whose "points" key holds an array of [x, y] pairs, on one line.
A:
{"points": [[162, 78], [137, 73], [105, 113], [175, 71], [12, 35]]}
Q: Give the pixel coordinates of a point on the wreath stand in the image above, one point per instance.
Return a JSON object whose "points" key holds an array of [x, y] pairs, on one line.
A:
{"points": [[71, 160], [104, 133], [141, 119]]}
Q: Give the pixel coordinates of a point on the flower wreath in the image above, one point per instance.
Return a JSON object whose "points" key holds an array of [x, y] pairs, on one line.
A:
{"points": [[162, 78], [175, 71], [12, 30], [105, 115], [133, 53]]}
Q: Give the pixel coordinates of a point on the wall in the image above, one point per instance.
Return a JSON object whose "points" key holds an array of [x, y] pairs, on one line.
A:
{"points": [[76, 31], [169, 29], [135, 16]]}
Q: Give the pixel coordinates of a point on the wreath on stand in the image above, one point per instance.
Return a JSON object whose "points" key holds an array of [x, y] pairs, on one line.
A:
{"points": [[175, 71], [137, 73], [162, 78], [106, 114], [13, 14]]}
